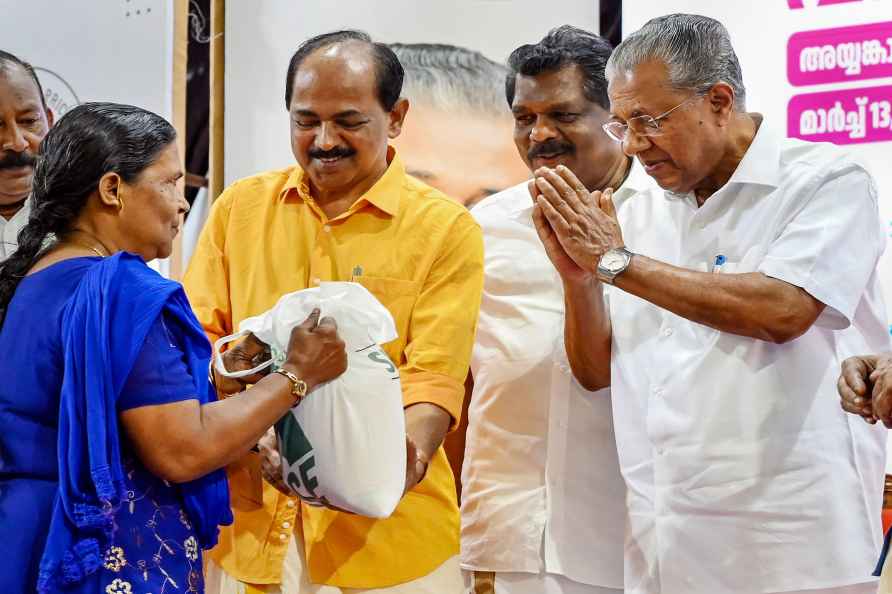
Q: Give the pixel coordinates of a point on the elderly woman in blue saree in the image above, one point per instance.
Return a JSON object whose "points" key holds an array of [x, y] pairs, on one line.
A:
{"points": [[112, 439]]}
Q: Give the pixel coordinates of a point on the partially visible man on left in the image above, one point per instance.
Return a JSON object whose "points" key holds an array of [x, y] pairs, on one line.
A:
{"points": [[24, 121]]}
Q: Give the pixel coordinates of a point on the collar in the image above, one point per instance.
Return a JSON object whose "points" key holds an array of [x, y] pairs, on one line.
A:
{"points": [[21, 215], [384, 194], [761, 163], [635, 181]]}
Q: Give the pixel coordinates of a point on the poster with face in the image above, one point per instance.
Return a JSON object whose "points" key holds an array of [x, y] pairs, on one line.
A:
{"points": [[458, 133]]}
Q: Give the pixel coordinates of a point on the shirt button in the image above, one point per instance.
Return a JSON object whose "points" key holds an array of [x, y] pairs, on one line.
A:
{"points": [[668, 331], [326, 228], [290, 503], [659, 393], [283, 537], [316, 281], [286, 525]]}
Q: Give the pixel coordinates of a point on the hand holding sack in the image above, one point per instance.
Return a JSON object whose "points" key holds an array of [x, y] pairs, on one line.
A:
{"points": [[344, 445]]}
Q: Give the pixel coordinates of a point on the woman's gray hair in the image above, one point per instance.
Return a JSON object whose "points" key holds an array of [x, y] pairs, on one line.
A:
{"points": [[696, 49]]}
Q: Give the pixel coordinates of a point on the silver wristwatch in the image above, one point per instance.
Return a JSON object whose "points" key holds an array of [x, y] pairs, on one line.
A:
{"points": [[613, 263]]}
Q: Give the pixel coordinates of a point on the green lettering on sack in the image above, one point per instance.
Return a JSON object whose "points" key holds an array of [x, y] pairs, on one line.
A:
{"points": [[379, 356], [293, 440], [309, 482]]}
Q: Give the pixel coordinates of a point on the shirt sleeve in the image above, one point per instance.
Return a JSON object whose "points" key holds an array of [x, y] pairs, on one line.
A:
{"points": [[443, 323], [831, 247], [207, 278], [160, 374]]}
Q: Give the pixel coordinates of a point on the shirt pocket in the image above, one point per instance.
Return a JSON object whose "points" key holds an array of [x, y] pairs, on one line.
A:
{"points": [[399, 297], [748, 262]]}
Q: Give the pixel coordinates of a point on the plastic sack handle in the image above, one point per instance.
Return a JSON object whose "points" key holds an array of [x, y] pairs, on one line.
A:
{"points": [[218, 357]]}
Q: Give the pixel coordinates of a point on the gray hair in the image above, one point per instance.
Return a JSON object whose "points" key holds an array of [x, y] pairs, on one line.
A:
{"points": [[696, 49], [451, 77]]}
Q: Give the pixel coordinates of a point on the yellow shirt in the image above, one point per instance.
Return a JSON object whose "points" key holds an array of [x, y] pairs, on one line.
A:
{"points": [[421, 255]]}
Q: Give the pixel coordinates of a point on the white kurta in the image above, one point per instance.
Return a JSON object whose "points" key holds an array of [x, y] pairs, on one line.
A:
{"points": [[744, 474], [9, 230], [541, 489]]}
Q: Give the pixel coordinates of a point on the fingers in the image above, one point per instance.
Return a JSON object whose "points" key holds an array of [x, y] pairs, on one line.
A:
{"points": [[533, 190], [312, 320], [572, 181], [855, 371], [271, 465], [251, 345], [327, 325], [411, 466], [543, 228], [556, 191], [850, 401], [605, 202], [883, 412], [881, 398], [558, 223]]}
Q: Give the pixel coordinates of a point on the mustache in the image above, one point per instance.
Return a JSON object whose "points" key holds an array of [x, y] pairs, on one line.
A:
{"points": [[338, 151], [13, 159], [549, 147]]}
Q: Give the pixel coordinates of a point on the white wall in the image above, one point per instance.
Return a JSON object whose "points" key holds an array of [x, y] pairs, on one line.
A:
{"points": [[261, 36], [96, 50]]}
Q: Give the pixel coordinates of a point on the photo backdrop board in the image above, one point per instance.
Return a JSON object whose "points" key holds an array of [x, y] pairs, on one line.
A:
{"points": [[101, 50], [261, 36]]}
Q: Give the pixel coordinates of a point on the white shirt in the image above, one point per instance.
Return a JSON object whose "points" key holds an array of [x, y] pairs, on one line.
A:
{"points": [[744, 473], [9, 230], [541, 489]]}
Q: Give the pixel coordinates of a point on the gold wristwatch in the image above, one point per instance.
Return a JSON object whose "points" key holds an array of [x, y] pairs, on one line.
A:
{"points": [[298, 386]]}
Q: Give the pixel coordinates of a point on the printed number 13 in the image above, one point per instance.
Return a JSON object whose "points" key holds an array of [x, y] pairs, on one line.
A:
{"points": [[882, 114]]}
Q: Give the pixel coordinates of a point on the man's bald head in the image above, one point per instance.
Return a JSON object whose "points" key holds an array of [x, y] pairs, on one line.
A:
{"points": [[388, 70], [9, 62]]}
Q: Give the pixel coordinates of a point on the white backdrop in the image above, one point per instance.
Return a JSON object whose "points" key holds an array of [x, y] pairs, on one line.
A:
{"points": [[96, 50], [108, 50], [261, 36]]}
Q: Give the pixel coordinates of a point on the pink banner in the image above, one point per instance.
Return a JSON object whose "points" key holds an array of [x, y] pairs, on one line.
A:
{"points": [[841, 54], [796, 4], [842, 117]]}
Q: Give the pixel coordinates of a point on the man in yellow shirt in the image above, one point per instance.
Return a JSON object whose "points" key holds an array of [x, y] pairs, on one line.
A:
{"points": [[348, 211]]}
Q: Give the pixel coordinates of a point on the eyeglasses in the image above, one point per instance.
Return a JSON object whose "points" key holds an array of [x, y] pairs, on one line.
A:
{"points": [[643, 125]]}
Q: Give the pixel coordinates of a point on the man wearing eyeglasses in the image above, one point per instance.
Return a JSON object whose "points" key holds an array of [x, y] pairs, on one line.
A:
{"points": [[718, 309]]}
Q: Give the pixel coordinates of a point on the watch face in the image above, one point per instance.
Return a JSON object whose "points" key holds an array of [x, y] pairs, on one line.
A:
{"points": [[613, 261]]}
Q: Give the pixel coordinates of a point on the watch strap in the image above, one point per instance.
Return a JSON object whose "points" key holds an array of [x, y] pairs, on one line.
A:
{"points": [[298, 386]]}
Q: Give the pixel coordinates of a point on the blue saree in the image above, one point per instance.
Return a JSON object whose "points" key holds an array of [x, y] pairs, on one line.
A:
{"points": [[117, 304]]}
